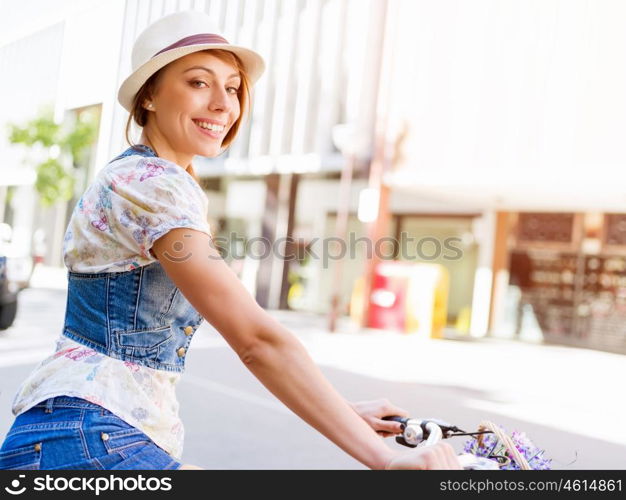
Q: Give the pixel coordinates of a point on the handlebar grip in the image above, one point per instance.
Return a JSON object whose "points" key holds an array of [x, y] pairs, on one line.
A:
{"points": [[395, 418], [403, 421]]}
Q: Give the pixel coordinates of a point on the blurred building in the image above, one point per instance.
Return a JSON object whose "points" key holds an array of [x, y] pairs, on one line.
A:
{"points": [[58, 55], [500, 126], [515, 112]]}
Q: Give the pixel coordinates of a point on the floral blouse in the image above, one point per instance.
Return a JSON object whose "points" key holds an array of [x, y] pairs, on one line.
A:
{"points": [[132, 202]]}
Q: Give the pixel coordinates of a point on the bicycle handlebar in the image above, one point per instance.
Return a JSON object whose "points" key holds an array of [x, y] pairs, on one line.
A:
{"points": [[428, 432]]}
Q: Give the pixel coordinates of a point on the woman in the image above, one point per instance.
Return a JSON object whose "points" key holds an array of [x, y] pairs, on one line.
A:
{"points": [[143, 275]]}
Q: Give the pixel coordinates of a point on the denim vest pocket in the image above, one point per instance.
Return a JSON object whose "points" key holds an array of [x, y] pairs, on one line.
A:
{"points": [[25, 458], [144, 343]]}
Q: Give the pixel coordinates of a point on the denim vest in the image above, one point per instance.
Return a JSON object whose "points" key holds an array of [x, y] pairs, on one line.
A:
{"points": [[138, 315]]}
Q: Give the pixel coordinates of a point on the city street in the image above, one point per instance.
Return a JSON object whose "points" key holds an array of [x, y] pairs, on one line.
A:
{"points": [[569, 401]]}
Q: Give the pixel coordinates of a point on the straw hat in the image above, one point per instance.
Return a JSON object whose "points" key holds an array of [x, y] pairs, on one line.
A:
{"points": [[173, 37]]}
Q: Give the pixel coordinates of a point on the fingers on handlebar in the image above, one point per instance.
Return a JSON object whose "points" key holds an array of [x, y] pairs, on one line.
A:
{"points": [[388, 426], [448, 456], [440, 456], [392, 410], [399, 412]]}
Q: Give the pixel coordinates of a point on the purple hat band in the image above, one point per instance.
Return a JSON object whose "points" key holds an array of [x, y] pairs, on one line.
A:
{"points": [[194, 40]]}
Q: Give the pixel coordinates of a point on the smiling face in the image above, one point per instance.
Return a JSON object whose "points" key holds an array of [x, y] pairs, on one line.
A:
{"points": [[195, 102]]}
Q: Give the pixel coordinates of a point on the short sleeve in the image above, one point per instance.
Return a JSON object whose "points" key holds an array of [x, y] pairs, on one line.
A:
{"points": [[149, 197]]}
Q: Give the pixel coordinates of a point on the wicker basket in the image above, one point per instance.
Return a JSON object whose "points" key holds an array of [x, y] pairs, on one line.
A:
{"points": [[485, 425]]}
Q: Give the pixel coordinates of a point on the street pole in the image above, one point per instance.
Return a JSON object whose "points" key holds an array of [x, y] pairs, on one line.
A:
{"points": [[351, 147], [381, 159], [340, 231]]}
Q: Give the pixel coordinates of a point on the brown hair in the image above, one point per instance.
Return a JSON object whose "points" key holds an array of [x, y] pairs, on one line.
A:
{"points": [[140, 115]]}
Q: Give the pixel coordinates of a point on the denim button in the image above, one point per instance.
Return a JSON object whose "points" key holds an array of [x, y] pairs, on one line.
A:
{"points": [[38, 447], [105, 436], [188, 330], [181, 352]]}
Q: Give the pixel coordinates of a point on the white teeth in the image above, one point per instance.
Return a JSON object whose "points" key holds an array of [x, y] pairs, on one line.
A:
{"points": [[210, 126]]}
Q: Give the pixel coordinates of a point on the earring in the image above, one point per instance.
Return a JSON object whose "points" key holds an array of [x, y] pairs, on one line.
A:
{"points": [[150, 105]]}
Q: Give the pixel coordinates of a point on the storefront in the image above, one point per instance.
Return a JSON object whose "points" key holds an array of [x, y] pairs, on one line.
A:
{"points": [[567, 279]]}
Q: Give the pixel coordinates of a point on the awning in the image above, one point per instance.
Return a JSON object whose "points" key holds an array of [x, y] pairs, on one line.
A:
{"points": [[265, 164], [600, 188]]}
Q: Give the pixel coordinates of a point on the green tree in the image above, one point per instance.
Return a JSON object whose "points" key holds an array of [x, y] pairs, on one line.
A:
{"points": [[65, 148]]}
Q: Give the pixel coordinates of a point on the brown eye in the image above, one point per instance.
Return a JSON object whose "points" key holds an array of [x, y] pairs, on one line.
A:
{"points": [[194, 83]]}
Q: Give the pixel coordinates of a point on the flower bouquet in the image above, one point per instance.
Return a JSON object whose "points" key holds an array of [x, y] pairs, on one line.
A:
{"points": [[515, 452]]}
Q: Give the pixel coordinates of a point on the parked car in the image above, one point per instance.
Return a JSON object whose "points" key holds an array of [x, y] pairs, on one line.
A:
{"points": [[8, 297], [16, 270]]}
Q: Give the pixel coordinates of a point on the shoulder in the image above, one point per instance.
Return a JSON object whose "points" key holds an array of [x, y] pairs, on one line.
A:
{"points": [[141, 169], [150, 175]]}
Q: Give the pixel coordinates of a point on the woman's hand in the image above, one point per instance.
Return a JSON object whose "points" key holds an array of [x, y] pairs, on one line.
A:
{"points": [[439, 456], [436, 457], [374, 411]]}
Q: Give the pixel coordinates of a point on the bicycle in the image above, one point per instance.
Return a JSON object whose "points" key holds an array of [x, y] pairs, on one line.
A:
{"points": [[427, 432]]}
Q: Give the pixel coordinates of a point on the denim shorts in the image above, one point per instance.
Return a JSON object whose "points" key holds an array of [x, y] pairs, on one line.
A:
{"points": [[71, 433]]}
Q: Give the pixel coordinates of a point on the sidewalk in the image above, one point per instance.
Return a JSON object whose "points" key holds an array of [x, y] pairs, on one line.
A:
{"points": [[49, 277], [556, 386]]}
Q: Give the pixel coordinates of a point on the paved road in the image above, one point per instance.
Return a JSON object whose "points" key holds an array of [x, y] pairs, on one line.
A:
{"points": [[232, 421]]}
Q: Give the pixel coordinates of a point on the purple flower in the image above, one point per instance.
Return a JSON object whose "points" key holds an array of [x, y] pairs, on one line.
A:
{"points": [[491, 447]]}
